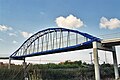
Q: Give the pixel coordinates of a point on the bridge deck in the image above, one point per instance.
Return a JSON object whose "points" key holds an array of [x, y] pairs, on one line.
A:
{"points": [[111, 42], [4, 57]]}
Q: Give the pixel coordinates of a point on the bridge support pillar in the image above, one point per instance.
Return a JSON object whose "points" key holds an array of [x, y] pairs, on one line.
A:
{"points": [[9, 65], [115, 63], [25, 72], [96, 61]]}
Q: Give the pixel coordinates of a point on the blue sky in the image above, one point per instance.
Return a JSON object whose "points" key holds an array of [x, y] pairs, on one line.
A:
{"points": [[29, 16]]}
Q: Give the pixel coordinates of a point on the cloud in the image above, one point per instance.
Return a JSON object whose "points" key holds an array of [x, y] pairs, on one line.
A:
{"points": [[42, 13], [1, 39], [15, 42], [113, 23], [26, 34], [5, 28], [12, 34], [69, 22]]}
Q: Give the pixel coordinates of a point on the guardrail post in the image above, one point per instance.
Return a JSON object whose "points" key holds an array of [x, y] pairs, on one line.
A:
{"points": [[115, 63], [96, 61]]}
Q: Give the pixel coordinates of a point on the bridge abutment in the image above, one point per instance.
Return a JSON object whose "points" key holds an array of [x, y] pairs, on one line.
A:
{"points": [[96, 61]]}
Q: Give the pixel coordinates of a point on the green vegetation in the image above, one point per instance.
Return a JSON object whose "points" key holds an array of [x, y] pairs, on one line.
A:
{"points": [[9, 74], [62, 71]]}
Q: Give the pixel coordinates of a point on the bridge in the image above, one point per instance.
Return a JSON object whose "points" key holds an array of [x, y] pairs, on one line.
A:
{"points": [[57, 40]]}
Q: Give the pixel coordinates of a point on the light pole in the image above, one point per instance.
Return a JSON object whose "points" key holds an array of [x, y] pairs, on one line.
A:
{"points": [[91, 57]]}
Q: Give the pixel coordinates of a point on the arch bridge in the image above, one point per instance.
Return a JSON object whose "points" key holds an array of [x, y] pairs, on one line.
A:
{"points": [[56, 40]]}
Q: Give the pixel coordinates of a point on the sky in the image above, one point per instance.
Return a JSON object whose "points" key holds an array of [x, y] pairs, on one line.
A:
{"points": [[19, 19]]}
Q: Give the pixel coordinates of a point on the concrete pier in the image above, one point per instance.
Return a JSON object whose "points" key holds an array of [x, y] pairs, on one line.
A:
{"points": [[115, 63], [96, 61]]}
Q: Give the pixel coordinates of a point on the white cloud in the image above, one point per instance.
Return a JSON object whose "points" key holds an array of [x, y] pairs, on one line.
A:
{"points": [[5, 28], [15, 42], [26, 34], [69, 22], [12, 34], [113, 23], [1, 39]]}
